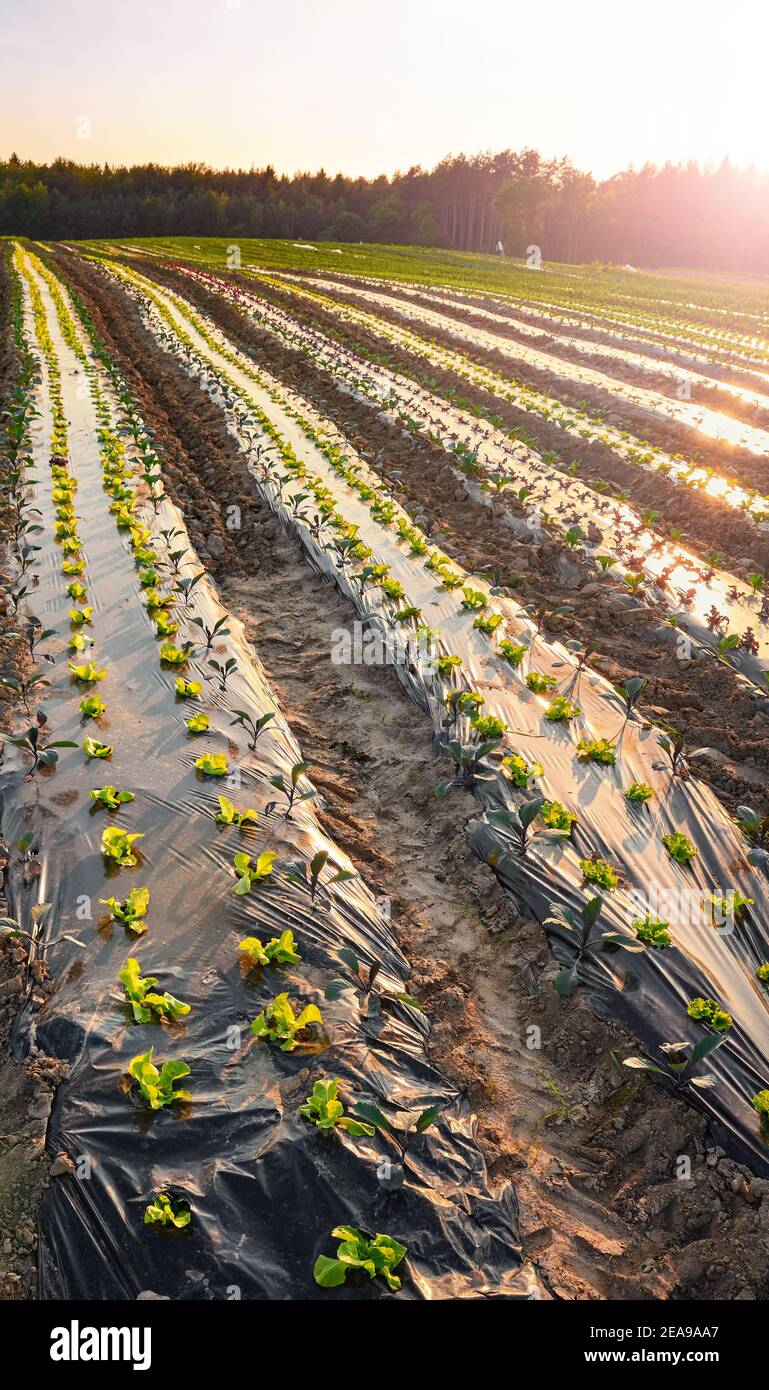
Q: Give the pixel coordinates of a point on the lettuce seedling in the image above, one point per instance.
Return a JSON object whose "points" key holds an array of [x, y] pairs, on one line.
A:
{"points": [[709, 1012], [79, 642], [94, 748], [79, 617], [639, 793], [679, 847], [325, 1111], [762, 974], [519, 772], [168, 1211], [512, 652], [561, 710], [252, 726], [117, 843], [197, 724], [165, 626], [653, 931], [228, 815], [488, 726], [556, 817], [212, 764], [279, 1024], [289, 790], [597, 750], [249, 874], [131, 911], [377, 1254], [540, 684], [446, 664], [148, 1006], [187, 690], [488, 623], [92, 707], [760, 1103], [155, 1085], [596, 870], [173, 656], [87, 674], [473, 599], [77, 591], [280, 950], [110, 797]]}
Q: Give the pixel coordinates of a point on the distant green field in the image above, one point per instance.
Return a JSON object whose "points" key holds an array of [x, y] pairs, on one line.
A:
{"points": [[715, 301]]}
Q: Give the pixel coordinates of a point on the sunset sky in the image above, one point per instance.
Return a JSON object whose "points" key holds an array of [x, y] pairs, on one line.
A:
{"points": [[367, 86]]}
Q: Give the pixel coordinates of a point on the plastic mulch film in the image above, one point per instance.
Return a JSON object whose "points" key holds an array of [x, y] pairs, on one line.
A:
{"points": [[713, 954], [264, 1186]]}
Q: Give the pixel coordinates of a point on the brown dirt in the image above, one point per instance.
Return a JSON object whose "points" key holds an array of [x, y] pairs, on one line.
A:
{"points": [[592, 1154], [701, 699]]}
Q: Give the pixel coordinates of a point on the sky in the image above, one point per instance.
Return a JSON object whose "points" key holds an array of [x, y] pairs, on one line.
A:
{"points": [[371, 86]]}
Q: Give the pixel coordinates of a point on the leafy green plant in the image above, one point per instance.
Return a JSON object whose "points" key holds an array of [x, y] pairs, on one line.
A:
{"points": [[402, 1136], [680, 1062], [679, 847], [762, 974], [252, 726], [446, 664], [488, 623], [519, 772], [755, 827], [760, 1103], [378, 1254], [290, 790], [164, 1210], [42, 752], [229, 815], [560, 710], [556, 817], [147, 1004], [519, 824], [117, 844], [598, 871], [211, 634], [224, 669], [653, 931], [130, 911], [187, 690], [597, 750], [308, 873], [156, 1085], [280, 950], [639, 793], [539, 683], [94, 748], [197, 724], [87, 674], [578, 926], [364, 979], [709, 1012], [512, 652], [173, 656], [488, 726], [251, 873], [110, 797], [92, 707], [279, 1024], [212, 764], [324, 1110]]}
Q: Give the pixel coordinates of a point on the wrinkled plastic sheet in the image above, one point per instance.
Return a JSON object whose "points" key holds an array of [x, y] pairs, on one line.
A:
{"points": [[264, 1186], [648, 993]]}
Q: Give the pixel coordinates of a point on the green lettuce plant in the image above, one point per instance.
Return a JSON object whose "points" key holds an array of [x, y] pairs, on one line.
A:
{"points": [[653, 931], [229, 815], [156, 1085], [94, 748], [679, 847], [147, 1004], [561, 710], [131, 911], [197, 724], [251, 873], [279, 950], [212, 765], [110, 797], [117, 844], [279, 1024], [187, 690], [87, 674], [324, 1110], [539, 683], [597, 750], [639, 793], [598, 871], [92, 707], [378, 1254], [710, 1013], [168, 1211]]}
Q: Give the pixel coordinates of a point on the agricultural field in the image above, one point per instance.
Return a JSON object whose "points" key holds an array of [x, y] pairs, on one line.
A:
{"points": [[385, 712]]}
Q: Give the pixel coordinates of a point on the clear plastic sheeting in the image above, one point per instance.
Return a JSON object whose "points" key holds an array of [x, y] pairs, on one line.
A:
{"points": [[648, 992], [264, 1186]]}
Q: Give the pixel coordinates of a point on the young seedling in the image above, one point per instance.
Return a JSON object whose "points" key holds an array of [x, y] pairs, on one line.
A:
{"points": [[197, 724], [540, 684], [578, 925], [756, 829], [279, 951], [652, 931], [147, 1005], [760, 1103], [561, 710], [211, 634], [187, 690], [630, 693], [362, 983], [519, 825], [9, 926], [94, 748], [92, 707], [290, 790], [252, 726], [110, 797], [639, 793], [250, 873], [378, 1254], [324, 1110], [117, 845], [33, 742], [228, 815], [156, 1085], [24, 686], [597, 750], [679, 847], [470, 766], [224, 669], [415, 1124], [710, 1014], [175, 656], [519, 772], [556, 817], [212, 765], [187, 586], [131, 911], [308, 874], [679, 1064], [279, 1024], [597, 871], [87, 674], [164, 1211]]}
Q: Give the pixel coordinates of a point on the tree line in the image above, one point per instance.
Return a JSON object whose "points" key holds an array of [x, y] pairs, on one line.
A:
{"points": [[681, 215]]}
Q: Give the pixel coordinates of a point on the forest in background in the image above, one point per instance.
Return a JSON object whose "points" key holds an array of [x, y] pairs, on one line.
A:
{"points": [[674, 215]]}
